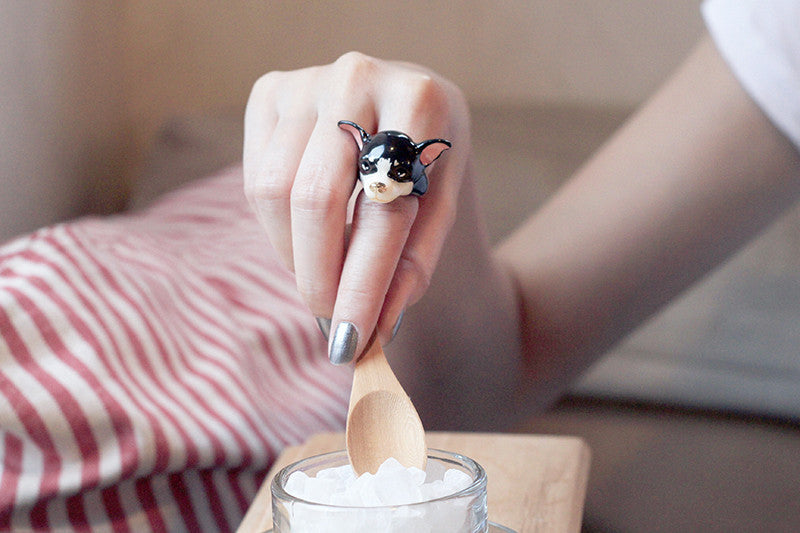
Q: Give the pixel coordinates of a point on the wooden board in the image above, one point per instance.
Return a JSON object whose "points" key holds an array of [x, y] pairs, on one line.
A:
{"points": [[536, 483]]}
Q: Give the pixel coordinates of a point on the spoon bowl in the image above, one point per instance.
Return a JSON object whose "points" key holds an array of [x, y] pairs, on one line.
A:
{"points": [[381, 420]]}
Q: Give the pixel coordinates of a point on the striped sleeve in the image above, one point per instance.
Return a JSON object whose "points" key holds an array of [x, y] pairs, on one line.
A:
{"points": [[152, 365]]}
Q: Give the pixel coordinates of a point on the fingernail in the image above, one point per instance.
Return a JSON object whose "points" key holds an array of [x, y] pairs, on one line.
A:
{"points": [[324, 326], [343, 346], [396, 327]]}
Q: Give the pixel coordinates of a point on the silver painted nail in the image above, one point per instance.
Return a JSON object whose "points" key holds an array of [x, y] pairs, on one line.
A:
{"points": [[343, 346], [324, 326], [397, 325]]}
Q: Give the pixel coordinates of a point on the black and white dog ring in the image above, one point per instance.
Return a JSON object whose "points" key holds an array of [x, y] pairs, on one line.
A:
{"points": [[390, 164]]}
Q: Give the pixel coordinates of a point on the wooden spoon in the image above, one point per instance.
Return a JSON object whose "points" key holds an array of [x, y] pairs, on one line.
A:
{"points": [[381, 420]]}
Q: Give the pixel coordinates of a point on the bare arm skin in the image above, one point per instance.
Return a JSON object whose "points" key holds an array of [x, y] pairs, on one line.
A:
{"points": [[692, 176]]}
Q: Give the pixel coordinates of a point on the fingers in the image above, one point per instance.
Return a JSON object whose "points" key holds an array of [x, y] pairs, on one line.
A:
{"points": [[396, 246], [273, 180], [378, 236], [426, 108], [323, 185], [300, 171], [325, 180], [276, 134]]}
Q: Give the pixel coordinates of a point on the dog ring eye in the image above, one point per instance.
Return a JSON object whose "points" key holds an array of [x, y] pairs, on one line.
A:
{"points": [[365, 166]]}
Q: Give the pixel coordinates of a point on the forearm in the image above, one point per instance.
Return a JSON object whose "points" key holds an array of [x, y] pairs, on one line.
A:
{"points": [[694, 174]]}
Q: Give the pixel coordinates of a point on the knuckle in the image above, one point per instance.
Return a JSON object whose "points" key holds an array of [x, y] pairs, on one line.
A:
{"points": [[413, 267], [358, 293], [351, 71], [427, 98], [354, 62], [318, 296], [406, 213], [265, 85], [401, 212], [266, 186], [358, 300], [313, 194]]}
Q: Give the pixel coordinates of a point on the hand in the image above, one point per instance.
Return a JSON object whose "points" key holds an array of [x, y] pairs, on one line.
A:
{"points": [[300, 172]]}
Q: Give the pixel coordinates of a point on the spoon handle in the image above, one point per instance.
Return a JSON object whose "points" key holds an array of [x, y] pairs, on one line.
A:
{"points": [[372, 372]]}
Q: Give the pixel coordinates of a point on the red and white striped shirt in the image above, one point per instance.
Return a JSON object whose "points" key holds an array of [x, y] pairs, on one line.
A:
{"points": [[152, 365]]}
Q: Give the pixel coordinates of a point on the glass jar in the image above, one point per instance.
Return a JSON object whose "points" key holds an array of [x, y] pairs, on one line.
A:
{"points": [[461, 512]]}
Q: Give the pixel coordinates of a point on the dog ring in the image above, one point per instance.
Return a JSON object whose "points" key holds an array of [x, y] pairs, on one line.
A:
{"points": [[390, 164]]}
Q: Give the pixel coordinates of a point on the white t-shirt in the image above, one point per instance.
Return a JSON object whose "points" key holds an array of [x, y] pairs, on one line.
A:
{"points": [[760, 40]]}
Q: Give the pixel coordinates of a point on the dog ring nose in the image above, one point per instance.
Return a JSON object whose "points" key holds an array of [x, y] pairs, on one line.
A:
{"points": [[377, 187]]}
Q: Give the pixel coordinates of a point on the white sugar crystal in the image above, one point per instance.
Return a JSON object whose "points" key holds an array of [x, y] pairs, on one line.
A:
{"points": [[296, 484], [455, 480], [392, 485]]}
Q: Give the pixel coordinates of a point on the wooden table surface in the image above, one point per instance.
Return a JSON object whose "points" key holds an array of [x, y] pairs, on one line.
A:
{"points": [[536, 483]]}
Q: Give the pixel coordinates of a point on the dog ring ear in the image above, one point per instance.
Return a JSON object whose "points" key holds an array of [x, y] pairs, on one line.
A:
{"points": [[359, 134], [430, 150]]}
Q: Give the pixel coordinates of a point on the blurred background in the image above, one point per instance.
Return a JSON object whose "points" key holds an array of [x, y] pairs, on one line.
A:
{"points": [[86, 84], [693, 419]]}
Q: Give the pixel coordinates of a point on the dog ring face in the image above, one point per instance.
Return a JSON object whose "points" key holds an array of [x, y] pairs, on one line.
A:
{"points": [[390, 164]]}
